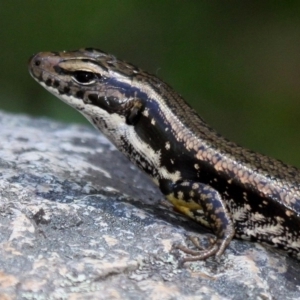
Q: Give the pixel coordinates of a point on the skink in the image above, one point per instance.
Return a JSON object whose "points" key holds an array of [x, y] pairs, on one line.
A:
{"points": [[231, 190]]}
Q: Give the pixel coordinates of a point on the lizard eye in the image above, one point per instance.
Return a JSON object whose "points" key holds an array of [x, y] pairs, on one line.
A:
{"points": [[84, 77]]}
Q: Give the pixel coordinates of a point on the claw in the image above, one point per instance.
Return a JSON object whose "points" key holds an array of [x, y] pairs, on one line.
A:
{"points": [[216, 248]]}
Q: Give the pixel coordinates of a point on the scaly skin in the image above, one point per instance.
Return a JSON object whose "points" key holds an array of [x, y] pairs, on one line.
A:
{"points": [[232, 190]]}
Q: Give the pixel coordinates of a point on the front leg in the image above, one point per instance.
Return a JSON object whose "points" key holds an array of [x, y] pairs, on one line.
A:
{"points": [[189, 197]]}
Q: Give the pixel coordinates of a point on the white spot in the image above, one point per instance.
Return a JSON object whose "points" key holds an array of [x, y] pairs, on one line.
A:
{"points": [[279, 219], [240, 214], [146, 112], [180, 195], [257, 217], [195, 186], [172, 176], [167, 146], [152, 121], [276, 229], [295, 245]]}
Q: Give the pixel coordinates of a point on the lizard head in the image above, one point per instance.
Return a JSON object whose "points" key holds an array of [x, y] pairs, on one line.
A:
{"points": [[107, 91]]}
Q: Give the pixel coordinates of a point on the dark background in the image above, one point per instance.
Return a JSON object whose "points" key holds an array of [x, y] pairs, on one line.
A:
{"points": [[236, 62]]}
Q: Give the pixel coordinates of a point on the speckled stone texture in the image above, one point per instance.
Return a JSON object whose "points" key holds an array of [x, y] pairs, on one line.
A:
{"points": [[78, 221]]}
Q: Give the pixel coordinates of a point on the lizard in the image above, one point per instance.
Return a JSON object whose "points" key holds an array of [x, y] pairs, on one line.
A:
{"points": [[231, 190]]}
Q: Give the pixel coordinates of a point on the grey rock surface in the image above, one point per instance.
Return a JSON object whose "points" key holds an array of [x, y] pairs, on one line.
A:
{"points": [[78, 221]]}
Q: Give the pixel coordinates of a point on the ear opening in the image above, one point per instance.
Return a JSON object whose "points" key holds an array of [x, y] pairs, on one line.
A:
{"points": [[134, 113]]}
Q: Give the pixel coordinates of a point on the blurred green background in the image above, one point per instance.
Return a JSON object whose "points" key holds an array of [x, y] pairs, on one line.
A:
{"points": [[236, 62]]}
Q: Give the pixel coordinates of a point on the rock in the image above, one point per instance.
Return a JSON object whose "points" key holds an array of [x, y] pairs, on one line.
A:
{"points": [[78, 221]]}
